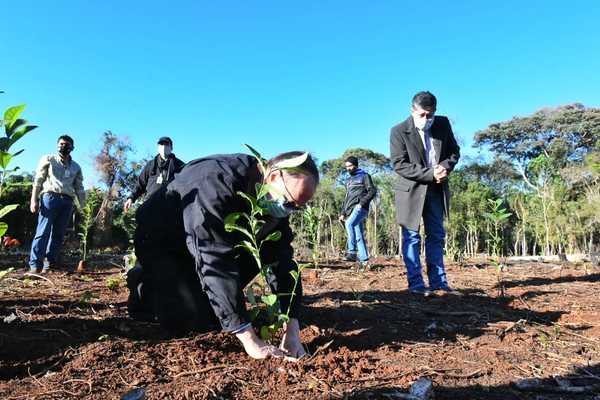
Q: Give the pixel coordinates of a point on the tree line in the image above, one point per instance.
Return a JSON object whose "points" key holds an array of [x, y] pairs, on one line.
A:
{"points": [[537, 194]]}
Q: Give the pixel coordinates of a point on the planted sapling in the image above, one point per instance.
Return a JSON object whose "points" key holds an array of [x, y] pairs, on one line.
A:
{"points": [[266, 309]]}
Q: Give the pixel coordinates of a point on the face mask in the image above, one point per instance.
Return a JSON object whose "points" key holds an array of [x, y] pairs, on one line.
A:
{"points": [[423, 123], [276, 208], [428, 123], [164, 150], [65, 150]]}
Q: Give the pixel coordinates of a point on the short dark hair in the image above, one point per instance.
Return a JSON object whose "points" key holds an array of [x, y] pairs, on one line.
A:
{"points": [[352, 160], [66, 138], [425, 100], [308, 167]]}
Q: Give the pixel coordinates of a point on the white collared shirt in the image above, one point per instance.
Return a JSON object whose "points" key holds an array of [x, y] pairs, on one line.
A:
{"points": [[430, 156]]}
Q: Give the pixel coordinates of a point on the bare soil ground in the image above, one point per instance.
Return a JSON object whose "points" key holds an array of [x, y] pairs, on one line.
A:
{"points": [[70, 338]]}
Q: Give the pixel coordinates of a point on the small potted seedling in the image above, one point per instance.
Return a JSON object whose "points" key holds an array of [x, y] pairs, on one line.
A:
{"points": [[87, 221]]}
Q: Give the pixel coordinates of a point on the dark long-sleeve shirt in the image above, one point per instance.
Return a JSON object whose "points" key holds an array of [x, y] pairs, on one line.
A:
{"points": [[156, 174], [188, 216]]}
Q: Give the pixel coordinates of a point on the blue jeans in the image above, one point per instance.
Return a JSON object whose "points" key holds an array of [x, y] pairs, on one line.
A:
{"points": [[356, 233], [53, 217], [433, 219]]}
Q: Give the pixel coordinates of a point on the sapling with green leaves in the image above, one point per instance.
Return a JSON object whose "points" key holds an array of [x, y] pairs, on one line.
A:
{"points": [[266, 307], [87, 221], [312, 228], [14, 129], [497, 217]]}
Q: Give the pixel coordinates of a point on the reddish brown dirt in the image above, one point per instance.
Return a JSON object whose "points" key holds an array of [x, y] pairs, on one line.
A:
{"points": [[368, 336]]}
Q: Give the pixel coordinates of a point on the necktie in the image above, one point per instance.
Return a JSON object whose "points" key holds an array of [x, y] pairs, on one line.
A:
{"points": [[427, 148]]}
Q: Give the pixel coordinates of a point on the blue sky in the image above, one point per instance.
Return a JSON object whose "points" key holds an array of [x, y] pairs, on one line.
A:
{"points": [[321, 76]]}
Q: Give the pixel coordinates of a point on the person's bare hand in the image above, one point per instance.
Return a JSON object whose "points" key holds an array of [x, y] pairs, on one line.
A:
{"points": [[290, 343], [127, 205], [34, 206], [440, 173], [341, 218], [257, 348]]}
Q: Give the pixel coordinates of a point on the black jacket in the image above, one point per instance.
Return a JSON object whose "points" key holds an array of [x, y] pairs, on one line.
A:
{"points": [[188, 216], [147, 181], [407, 155], [359, 190]]}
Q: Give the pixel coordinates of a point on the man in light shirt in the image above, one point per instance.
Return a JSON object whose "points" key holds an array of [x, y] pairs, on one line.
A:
{"points": [[423, 152], [58, 181]]}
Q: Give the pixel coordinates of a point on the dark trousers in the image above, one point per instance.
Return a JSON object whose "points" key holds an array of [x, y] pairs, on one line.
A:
{"points": [[171, 292]]}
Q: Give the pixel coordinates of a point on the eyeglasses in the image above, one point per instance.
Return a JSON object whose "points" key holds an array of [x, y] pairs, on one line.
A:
{"points": [[291, 205]]}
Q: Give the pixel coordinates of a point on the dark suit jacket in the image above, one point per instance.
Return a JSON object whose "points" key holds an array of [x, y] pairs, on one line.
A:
{"points": [[408, 160]]}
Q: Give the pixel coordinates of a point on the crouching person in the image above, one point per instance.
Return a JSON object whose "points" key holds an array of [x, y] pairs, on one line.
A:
{"points": [[191, 279]]}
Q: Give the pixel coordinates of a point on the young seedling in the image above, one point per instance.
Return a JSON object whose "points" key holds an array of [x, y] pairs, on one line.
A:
{"points": [[87, 221], [113, 283], [266, 308], [497, 217], [312, 227]]}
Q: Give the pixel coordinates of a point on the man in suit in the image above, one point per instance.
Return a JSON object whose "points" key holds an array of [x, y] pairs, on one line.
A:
{"points": [[423, 152]]}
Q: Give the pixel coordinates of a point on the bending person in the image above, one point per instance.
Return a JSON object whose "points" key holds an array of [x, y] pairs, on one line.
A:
{"points": [[191, 278]]}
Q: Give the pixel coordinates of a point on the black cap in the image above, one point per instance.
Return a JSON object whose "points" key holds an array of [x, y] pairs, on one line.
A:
{"points": [[352, 160], [165, 140]]}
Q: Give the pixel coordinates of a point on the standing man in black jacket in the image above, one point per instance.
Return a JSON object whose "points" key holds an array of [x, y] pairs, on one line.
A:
{"points": [[157, 172], [191, 275], [360, 190], [423, 153]]}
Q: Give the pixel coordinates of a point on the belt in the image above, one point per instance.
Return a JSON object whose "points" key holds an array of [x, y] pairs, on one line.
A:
{"points": [[64, 196]]}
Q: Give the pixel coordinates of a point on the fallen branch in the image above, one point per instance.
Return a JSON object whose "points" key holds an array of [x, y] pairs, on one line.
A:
{"points": [[321, 348], [38, 276]]}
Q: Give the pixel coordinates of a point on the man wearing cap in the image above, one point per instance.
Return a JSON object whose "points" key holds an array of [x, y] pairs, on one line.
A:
{"points": [[157, 172], [423, 153], [360, 190], [192, 273]]}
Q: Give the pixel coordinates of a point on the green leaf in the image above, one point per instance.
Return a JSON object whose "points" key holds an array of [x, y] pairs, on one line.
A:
{"points": [[269, 300], [6, 209], [262, 190], [304, 266], [5, 159], [273, 236], [232, 218], [264, 333], [11, 115], [19, 134], [295, 275], [283, 318], [251, 200], [3, 228], [18, 152], [250, 295], [231, 228], [4, 144], [254, 313]]}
